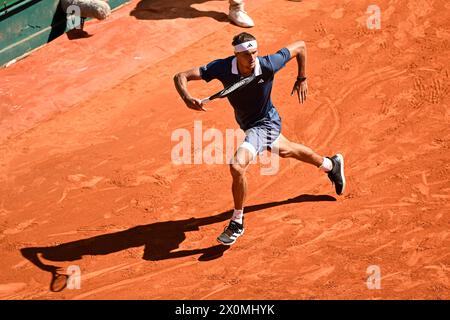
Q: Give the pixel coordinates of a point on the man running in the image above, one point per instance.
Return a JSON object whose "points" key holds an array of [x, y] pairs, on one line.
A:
{"points": [[257, 116]]}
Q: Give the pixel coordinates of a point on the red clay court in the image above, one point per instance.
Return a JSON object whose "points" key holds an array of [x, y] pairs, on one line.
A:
{"points": [[87, 178]]}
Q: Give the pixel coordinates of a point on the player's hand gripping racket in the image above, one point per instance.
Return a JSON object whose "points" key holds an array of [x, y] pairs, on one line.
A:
{"points": [[231, 88]]}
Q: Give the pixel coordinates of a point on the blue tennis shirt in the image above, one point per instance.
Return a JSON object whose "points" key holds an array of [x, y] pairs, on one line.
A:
{"points": [[253, 102]]}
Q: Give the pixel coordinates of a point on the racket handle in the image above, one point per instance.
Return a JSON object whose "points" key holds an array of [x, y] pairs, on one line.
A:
{"points": [[206, 100]]}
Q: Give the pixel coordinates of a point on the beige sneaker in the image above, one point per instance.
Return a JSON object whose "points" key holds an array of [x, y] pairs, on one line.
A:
{"points": [[241, 18]]}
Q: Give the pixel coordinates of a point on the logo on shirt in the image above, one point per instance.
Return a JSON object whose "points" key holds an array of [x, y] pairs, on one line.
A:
{"points": [[261, 81]]}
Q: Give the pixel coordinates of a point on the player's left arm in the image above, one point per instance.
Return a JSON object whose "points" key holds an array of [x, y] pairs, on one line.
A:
{"points": [[298, 50]]}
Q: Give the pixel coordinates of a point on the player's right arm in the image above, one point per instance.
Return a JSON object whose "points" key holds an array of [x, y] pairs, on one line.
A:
{"points": [[181, 79]]}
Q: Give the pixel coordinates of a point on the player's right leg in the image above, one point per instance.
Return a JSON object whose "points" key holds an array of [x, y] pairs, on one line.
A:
{"points": [[242, 158], [333, 166]]}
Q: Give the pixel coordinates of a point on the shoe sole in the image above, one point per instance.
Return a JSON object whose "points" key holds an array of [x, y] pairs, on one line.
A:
{"points": [[230, 243], [341, 158]]}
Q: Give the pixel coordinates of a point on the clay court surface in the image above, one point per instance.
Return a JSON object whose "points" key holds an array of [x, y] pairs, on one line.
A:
{"points": [[87, 178]]}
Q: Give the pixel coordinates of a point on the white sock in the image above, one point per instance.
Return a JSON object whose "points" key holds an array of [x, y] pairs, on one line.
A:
{"points": [[238, 215], [327, 165]]}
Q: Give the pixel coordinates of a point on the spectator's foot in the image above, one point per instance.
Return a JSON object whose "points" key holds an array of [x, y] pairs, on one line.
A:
{"points": [[240, 18]]}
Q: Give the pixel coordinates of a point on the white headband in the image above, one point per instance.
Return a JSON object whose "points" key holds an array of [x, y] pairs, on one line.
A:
{"points": [[245, 46]]}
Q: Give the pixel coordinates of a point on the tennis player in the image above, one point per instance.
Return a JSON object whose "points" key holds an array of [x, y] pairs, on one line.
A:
{"points": [[257, 116]]}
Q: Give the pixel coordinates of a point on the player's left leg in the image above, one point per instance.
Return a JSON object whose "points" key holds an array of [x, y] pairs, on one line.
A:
{"points": [[333, 166], [289, 149]]}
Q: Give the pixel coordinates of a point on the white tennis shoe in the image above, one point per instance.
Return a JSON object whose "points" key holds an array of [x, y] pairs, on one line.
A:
{"points": [[241, 18]]}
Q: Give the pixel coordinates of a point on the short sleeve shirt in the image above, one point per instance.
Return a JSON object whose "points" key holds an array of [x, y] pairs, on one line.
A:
{"points": [[253, 102]]}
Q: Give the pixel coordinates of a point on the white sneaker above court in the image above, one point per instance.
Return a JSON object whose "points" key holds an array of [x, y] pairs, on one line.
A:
{"points": [[241, 18]]}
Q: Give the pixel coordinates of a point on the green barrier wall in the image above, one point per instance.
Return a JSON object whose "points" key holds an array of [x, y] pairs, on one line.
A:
{"points": [[28, 24]]}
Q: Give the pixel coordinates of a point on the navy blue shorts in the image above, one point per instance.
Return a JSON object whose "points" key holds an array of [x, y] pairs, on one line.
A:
{"points": [[263, 134]]}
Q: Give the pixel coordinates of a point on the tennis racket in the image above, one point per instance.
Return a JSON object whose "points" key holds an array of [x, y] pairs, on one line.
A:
{"points": [[231, 88]]}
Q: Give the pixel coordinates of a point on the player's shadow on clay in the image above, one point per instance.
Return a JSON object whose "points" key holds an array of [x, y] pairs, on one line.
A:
{"points": [[160, 240], [164, 10]]}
